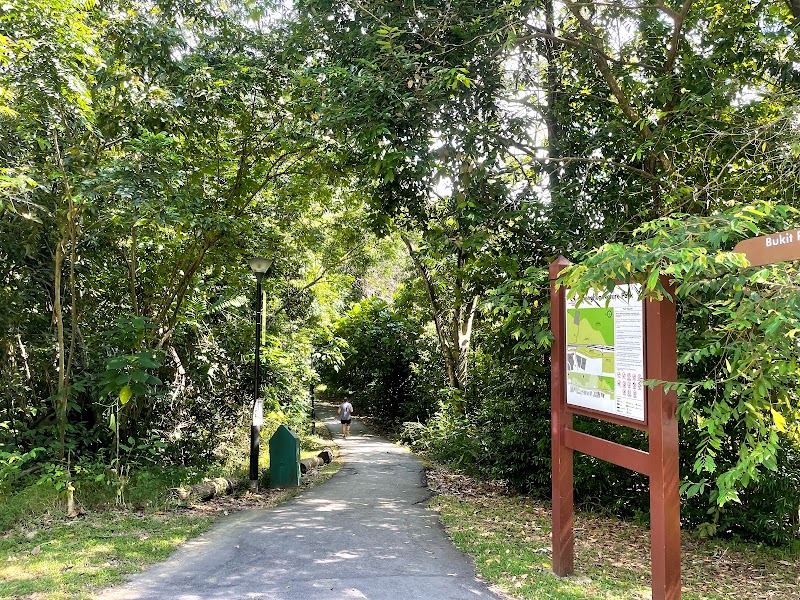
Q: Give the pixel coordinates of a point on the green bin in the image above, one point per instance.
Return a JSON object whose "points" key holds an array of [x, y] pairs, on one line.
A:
{"points": [[284, 458]]}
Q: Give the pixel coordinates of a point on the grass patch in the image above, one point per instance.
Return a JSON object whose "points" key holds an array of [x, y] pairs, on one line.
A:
{"points": [[29, 503], [65, 559], [508, 537], [514, 552], [46, 556]]}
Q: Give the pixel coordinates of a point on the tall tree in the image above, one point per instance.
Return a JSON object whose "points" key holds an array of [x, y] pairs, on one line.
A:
{"points": [[416, 91], [148, 149]]}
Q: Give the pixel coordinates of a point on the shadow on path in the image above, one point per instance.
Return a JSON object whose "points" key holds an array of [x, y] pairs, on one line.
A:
{"points": [[365, 533]]}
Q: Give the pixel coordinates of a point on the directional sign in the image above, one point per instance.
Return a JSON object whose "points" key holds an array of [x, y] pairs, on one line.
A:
{"points": [[773, 248]]}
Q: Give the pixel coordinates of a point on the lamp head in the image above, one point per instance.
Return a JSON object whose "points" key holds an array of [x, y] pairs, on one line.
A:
{"points": [[260, 265]]}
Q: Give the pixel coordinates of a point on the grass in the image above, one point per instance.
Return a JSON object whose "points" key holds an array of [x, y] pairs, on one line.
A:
{"points": [[515, 554], [65, 559], [46, 556], [508, 537]]}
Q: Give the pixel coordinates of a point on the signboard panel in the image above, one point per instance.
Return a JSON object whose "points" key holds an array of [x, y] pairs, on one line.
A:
{"points": [[605, 353]]}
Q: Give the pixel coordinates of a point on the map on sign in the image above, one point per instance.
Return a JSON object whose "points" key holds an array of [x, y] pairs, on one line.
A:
{"points": [[605, 353]]}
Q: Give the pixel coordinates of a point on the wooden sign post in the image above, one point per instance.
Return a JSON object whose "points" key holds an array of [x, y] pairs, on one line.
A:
{"points": [[602, 352]]}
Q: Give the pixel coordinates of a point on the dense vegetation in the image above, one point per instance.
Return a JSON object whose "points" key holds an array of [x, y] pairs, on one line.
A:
{"points": [[413, 168]]}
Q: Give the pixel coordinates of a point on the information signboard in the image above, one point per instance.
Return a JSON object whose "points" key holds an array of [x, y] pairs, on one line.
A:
{"points": [[605, 353]]}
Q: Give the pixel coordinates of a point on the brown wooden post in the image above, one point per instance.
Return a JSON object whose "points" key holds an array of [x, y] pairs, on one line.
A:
{"points": [[563, 534], [665, 526]]}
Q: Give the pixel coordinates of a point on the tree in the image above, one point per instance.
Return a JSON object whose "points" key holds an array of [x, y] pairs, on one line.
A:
{"points": [[500, 136], [371, 354], [140, 168], [421, 113]]}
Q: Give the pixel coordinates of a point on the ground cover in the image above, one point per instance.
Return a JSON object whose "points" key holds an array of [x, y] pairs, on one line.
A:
{"points": [[508, 537], [52, 557]]}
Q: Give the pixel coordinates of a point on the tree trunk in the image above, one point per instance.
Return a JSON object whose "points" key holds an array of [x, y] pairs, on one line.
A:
{"points": [[553, 90], [794, 6], [206, 490], [451, 362], [455, 338], [465, 340], [58, 317], [309, 464], [132, 273], [65, 355]]}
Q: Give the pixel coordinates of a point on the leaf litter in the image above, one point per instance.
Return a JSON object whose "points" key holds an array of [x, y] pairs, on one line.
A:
{"points": [[612, 549]]}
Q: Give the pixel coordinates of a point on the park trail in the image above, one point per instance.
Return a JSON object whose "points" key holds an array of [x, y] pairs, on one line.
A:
{"points": [[365, 533]]}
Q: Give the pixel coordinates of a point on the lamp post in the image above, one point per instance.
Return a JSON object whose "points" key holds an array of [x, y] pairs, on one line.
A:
{"points": [[313, 412], [260, 267]]}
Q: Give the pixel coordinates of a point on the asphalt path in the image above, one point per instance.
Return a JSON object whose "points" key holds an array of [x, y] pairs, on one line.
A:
{"points": [[365, 533]]}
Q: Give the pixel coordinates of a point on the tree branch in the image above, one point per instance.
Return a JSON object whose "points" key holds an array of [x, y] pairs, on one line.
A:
{"points": [[313, 282], [678, 19], [616, 90], [436, 310]]}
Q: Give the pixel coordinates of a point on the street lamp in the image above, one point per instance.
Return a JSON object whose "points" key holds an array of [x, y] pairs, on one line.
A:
{"points": [[260, 267], [313, 412]]}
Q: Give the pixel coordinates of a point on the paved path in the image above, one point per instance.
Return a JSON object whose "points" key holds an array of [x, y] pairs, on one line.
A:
{"points": [[365, 533]]}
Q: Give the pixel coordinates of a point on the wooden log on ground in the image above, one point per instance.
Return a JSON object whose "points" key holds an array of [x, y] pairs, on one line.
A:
{"points": [[207, 490], [308, 464], [326, 456]]}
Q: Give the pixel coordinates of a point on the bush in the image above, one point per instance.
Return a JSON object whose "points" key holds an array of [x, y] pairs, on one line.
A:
{"points": [[411, 434], [450, 438], [12, 467], [505, 435]]}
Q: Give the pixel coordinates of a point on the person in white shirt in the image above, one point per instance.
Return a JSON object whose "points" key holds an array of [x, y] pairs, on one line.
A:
{"points": [[346, 412]]}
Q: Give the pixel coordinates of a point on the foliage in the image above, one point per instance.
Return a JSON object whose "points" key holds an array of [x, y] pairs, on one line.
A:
{"points": [[12, 467], [372, 355], [27, 503], [572, 125], [148, 148]]}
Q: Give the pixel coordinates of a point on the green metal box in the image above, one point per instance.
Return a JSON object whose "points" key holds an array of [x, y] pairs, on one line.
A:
{"points": [[284, 458]]}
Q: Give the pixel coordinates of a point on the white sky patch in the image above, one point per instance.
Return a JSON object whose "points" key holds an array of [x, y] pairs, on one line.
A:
{"points": [[747, 95], [622, 34], [443, 187]]}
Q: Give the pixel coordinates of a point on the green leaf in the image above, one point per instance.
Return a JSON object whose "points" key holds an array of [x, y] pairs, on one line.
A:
{"points": [[125, 394], [147, 360], [117, 363], [652, 280]]}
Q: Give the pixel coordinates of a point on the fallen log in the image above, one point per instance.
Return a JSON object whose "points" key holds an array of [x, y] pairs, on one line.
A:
{"points": [[308, 464], [326, 456], [206, 490]]}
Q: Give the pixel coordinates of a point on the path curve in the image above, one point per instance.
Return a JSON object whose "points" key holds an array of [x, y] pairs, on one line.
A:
{"points": [[365, 533]]}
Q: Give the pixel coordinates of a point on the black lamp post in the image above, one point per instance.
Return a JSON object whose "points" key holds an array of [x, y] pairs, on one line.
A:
{"points": [[313, 412], [260, 267]]}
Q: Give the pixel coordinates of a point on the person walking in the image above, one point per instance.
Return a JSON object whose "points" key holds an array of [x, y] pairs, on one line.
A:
{"points": [[346, 412]]}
